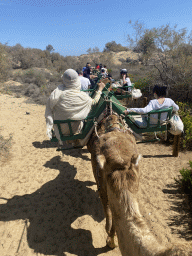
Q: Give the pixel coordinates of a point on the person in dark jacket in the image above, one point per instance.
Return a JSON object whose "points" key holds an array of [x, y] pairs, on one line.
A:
{"points": [[87, 71]]}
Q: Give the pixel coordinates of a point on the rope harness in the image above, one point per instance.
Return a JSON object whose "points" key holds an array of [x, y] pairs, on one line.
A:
{"points": [[109, 109], [122, 123]]}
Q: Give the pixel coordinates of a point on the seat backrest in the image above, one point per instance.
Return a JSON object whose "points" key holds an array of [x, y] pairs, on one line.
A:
{"points": [[150, 127], [156, 115], [88, 122], [123, 92]]}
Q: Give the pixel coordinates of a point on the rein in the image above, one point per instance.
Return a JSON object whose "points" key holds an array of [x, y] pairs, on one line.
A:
{"points": [[121, 122], [109, 128], [116, 128]]}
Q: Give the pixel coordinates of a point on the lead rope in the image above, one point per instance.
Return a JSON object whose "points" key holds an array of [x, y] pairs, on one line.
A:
{"points": [[107, 100], [156, 136], [95, 125], [98, 176], [97, 168], [110, 104]]}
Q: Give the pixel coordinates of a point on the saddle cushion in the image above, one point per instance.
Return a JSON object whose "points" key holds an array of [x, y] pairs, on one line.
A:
{"points": [[140, 121]]}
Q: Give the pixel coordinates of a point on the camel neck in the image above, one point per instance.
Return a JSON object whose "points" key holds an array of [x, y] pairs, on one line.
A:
{"points": [[133, 234]]}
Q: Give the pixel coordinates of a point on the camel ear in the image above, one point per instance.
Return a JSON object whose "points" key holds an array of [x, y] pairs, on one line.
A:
{"points": [[135, 159], [101, 160]]}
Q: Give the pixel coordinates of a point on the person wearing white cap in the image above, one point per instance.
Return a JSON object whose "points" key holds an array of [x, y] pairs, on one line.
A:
{"points": [[67, 101], [125, 80], [103, 73]]}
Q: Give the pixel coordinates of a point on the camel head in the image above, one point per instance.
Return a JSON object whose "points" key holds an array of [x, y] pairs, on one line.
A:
{"points": [[118, 157], [113, 122]]}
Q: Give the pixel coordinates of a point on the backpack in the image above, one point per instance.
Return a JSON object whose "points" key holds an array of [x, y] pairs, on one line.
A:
{"points": [[177, 126], [136, 93]]}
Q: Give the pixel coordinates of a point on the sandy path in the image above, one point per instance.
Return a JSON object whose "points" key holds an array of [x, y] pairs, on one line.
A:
{"points": [[49, 204]]}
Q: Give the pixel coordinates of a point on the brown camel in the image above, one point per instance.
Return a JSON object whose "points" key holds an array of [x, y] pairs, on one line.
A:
{"points": [[115, 158]]}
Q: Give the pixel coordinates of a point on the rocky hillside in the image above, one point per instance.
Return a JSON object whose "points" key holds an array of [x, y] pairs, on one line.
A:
{"points": [[116, 58]]}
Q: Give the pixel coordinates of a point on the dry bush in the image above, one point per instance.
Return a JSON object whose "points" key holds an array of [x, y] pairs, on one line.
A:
{"points": [[37, 84], [39, 95], [56, 77], [60, 66], [5, 145], [33, 92], [28, 57], [32, 76], [83, 59], [5, 65]]}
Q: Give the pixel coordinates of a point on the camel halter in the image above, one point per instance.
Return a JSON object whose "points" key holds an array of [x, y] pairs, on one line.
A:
{"points": [[122, 122]]}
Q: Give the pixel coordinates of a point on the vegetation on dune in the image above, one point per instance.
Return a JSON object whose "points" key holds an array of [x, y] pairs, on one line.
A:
{"points": [[185, 112], [5, 64], [114, 47], [185, 180]]}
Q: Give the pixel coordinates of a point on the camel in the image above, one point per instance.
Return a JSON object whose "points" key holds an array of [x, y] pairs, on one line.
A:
{"points": [[115, 163]]}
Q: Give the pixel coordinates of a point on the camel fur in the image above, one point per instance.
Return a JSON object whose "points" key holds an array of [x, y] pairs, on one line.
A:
{"points": [[115, 158]]}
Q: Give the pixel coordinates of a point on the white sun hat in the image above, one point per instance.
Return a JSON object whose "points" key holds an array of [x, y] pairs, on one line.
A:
{"points": [[71, 79], [124, 70]]}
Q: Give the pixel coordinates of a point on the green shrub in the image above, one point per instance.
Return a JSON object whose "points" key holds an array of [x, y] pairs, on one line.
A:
{"points": [[142, 83], [186, 179], [109, 71], [185, 112]]}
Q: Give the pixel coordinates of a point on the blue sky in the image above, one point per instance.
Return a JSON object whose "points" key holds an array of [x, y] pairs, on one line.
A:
{"points": [[73, 26]]}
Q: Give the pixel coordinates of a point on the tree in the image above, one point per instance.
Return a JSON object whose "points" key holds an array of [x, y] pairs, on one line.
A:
{"points": [[168, 50], [146, 44], [172, 65], [142, 41], [114, 47], [49, 48], [89, 51], [94, 50], [138, 33]]}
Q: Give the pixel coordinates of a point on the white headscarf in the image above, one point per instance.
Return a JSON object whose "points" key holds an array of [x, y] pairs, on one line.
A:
{"points": [[67, 101]]}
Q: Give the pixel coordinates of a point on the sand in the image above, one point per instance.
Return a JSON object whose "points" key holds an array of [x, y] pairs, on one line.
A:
{"points": [[49, 203]]}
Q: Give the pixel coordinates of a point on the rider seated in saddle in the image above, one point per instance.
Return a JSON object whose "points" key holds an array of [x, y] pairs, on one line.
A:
{"points": [[160, 102], [67, 101], [85, 82], [125, 80], [104, 74], [121, 87]]}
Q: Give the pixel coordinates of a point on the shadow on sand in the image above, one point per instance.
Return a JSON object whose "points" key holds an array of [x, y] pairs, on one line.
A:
{"points": [[181, 223], [71, 152], [53, 208], [45, 144], [157, 156]]}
